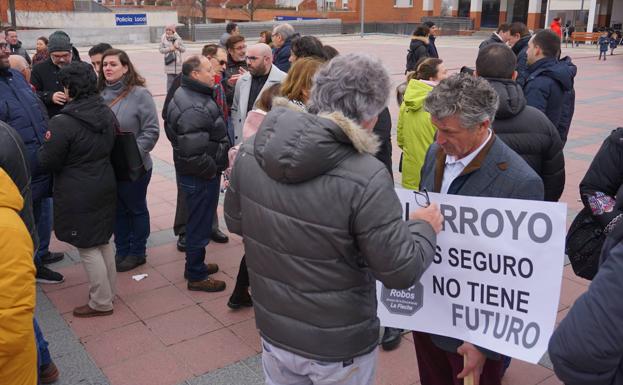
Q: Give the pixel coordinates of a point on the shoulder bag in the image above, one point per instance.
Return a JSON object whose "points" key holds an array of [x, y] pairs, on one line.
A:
{"points": [[583, 245], [126, 157], [169, 58]]}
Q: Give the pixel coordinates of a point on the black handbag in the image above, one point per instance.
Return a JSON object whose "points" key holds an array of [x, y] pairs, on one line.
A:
{"points": [[126, 157], [169, 58], [583, 244]]}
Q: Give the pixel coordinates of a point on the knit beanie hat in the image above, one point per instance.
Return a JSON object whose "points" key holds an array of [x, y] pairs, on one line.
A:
{"points": [[59, 41]]}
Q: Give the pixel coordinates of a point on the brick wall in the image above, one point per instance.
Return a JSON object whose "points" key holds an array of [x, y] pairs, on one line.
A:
{"points": [[35, 5]]}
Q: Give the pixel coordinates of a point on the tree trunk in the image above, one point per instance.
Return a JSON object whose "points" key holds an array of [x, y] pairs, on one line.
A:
{"points": [[204, 11], [12, 9]]}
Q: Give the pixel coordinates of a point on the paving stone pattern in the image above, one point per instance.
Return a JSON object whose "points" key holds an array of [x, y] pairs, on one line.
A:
{"points": [[163, 334]]}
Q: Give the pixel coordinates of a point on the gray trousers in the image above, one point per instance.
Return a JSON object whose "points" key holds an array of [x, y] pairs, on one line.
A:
{"points": [[284, 368]]}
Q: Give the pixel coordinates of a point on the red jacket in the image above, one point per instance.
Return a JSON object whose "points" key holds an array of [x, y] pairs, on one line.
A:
{"points": [[555, 26]]}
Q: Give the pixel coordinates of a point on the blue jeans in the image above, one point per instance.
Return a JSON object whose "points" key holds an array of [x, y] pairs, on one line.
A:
{"points": [[132, 221], [42, 212], [43, 356], [201, 206]]}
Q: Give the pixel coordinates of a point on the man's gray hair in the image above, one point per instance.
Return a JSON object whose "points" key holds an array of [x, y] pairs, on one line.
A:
{"points": [[471, 98], [357, 85], [284, 30]]}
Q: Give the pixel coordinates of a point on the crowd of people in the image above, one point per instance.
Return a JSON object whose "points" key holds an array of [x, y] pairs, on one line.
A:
{"points": [[305, 159]]}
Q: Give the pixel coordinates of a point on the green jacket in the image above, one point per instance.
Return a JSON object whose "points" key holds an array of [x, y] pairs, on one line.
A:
{"points": [[415, 132]]}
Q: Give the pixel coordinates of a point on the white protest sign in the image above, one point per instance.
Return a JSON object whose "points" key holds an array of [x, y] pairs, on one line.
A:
{"points": [[495, 279]]}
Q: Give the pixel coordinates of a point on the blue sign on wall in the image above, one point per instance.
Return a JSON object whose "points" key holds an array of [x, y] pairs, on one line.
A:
{"points": [[131, 19], [288, 18]]}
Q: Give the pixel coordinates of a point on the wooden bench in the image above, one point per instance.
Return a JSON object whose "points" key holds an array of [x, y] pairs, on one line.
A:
{"points": [[585, 36]]}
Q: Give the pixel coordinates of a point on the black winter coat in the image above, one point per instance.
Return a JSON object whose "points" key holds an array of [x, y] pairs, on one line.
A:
{"points": [[432, 48], [14, 161], [233, 68], [521, 51], [383, 129], [45, 79], [197, 131], [493, 39], [418, 49], [529, 133], [604, 180], [587, 346], [77, 150]]}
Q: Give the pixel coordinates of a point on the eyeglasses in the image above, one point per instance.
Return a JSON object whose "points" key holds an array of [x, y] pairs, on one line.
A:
{"points": [[60, 56], [421, 198]]}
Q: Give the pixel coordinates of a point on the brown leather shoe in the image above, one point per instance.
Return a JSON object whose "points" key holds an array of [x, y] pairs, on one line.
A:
{"points": [[48, 373], [86, 312], [209, 285]]}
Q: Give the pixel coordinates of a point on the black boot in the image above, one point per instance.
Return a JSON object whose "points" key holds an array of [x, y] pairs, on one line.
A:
{"points": [[219, 237], [240, 297], [130, 262], [391, 338], [181, 242]]}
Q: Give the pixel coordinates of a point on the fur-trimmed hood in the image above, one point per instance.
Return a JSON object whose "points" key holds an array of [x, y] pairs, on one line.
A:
{"points": [[423, 39], [293, 146]]}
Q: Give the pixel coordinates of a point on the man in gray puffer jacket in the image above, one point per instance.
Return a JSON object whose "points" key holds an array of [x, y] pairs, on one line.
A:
{"points": [[321, 223]]}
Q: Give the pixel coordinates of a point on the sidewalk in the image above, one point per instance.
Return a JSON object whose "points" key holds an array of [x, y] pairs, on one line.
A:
{"points": [[163, 334]]}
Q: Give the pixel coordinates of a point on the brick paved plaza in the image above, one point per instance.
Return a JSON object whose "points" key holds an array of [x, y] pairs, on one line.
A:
{"points": [[163, 334]]}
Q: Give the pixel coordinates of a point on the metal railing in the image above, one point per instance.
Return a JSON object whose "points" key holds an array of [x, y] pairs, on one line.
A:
{"points": [[203, 32], [89, 6]]}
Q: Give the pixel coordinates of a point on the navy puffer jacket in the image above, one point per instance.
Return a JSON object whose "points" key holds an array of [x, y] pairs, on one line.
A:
{"points": [[568, 106], [21, 109], [548, 81]]}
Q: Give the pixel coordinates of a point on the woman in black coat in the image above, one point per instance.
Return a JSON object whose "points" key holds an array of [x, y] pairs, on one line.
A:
{"points": [[601, 189], [418, 48], [77, 151]]}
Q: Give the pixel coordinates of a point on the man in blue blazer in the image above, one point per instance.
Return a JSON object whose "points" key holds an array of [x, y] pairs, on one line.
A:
{"points": [[468, 159]]}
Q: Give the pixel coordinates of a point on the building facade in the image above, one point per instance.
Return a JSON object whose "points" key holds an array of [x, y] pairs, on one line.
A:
{"points": [[536, 14]]}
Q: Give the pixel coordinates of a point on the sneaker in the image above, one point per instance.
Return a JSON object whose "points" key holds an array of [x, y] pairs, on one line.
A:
{"points": [[130, 262], [212, 269], [209, 285], [45, 275], [52, 257], [239, 298], [48, 373], [87, 312]]}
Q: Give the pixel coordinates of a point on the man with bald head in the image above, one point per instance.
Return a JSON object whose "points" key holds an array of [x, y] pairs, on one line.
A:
{"points": [[261, 74], [19, 64]]}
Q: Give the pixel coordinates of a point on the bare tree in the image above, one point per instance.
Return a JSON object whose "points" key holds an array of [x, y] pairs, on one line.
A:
{"points": [[249, 8], [12, 9], [203, 4]]}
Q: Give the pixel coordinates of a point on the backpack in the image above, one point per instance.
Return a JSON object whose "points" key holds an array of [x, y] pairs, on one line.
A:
{"points": [[410, 61]]}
